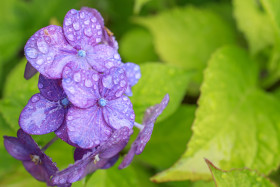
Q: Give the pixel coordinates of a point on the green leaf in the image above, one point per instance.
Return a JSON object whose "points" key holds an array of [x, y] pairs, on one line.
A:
{"points": [[238, 177], [17, 92], [144, 52], [169, 138], [156, 81], [134, 175], [186, 37], [254, 23], [138, 5], [236, 125]]}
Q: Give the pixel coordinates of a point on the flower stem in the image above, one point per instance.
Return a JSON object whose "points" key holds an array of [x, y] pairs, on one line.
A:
{"points": [[139, 126], [49, 144]]}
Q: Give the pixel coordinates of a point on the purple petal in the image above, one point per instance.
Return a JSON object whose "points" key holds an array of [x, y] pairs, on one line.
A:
{"points": [[28, 142], [102, 157], [51, 88], [111, 162], [133, 73], [41, 116], [79, 153], [109, 39], [37, 171], [86, 127], [48, 51], [62, 133], [81, 86], [29, 71], [144, 136], [16, 148], [83, 27], [103, 57], [119, 113], [113, 84]]}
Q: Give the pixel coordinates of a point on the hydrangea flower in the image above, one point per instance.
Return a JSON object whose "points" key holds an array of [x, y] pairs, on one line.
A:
{"points": [[96, 159], [36, 162], [83, 40], [45, 111], [100, 106]]}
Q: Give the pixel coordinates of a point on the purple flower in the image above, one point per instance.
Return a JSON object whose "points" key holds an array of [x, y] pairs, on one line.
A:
{"points": [[37, 163], [133, 74], [144, 136], [45, 111], [100, 106], [83, 40], [89, 161]]}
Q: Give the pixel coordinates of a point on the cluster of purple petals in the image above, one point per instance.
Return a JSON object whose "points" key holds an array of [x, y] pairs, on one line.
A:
{"points": [[84, 98]]}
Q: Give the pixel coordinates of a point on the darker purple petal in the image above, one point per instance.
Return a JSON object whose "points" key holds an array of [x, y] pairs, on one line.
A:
{"points": [[51, 88], [133, 74], [37, 171], [119, 113], [48, 51], [111, 162], [41, 116], [113, 84], [29, 71], [83, 27], [16, 148], [79, 153], [144, 136], [86, 127], [62, 133], [81, 86]]}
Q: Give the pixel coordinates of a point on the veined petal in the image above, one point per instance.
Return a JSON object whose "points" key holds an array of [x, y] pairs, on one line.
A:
{"points": [[119, 113], [113, 84], [83, 27], [16, 148], [80, 86], [48, 51], [86, 127], [62, 133], [37, 171], [51, 89], [41, 116]]}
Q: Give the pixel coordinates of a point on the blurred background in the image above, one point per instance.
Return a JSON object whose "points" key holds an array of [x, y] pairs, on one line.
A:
{"points": [[172, 41]]}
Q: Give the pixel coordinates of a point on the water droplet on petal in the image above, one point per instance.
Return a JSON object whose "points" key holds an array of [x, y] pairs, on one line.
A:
{"points": [[88, 83], [42, 46], [39, 61], [77, 77], [123, 83], [31, 52], [68, 21], [93, 20], [125, 98], [69, 117], [98, 26], [99, 33], [35, 98], [86, 22], [117, 56], [73, 11], [40, 85], [88, 32], [95, 77], [118, 94], [82, 15], [98, 40], [97, 142], [132, 116], [76, 26], [107, 82], [116, 80], [70, 37], [109, 64]]}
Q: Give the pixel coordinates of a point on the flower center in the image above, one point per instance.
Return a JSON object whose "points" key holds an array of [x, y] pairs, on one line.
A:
{"points": [[81, 53], [36, 159], [64, 101], [102, 102]]}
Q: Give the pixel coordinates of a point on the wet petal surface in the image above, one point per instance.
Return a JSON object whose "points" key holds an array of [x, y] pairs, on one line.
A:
{"points": [[29, 71], [41, 116], [48, 51], [16, 148]]}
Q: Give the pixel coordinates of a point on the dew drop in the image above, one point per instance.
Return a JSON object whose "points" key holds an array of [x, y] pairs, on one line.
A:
{"points": [[42, 46], [98, 26], [97, 142], [73, 11], [107, 82], [68, 22], [70, 37], [118, 94], [116, 80], [39, 61], [123, 83], [31, 52], [125, 98], [109, 64], [88, 32], [95, 77], [99, 33], [88, 83], [40, 85], [76, 26], [69, 117], [98, 40], [93, 20], [35, 98], [86, 22], [82, 15], [77, 77], [117, 56], [132, 116]]}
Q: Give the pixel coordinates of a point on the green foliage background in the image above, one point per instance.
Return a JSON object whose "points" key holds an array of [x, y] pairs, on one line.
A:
{"points": [[219, 60]]}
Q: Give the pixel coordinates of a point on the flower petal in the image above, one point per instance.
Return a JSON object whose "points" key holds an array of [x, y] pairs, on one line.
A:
{"points": [[16, 148], [79, 153], [111, 162], [62, 133], [133, 74], [29, 71], [83, 27], [41, 116], [119, 113], [48, 51], [86, 127], [144, 135], [81, 86], [37, 171], [103, 57], [51, 88], [113, 84]]}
